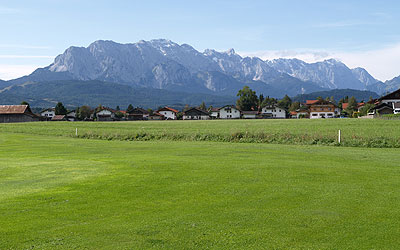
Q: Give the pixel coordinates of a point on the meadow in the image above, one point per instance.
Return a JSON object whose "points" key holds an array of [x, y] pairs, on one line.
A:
{"points": [[355, 132], [100, 192]]}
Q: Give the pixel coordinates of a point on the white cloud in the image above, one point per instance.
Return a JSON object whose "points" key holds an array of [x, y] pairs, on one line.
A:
{"points": [[24, 57], [383, 64], [8, 72]]}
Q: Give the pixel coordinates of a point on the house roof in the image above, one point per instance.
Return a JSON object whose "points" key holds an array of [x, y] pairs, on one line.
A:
{"points": [[157, 114], [346, 104], [58, 118], [196, 110], [250, 112], [168, 109], [229, 106], [382, 106], [319, 102], [309, 102], [13, 109], [393, 95], [49, 109], [214, 110]]}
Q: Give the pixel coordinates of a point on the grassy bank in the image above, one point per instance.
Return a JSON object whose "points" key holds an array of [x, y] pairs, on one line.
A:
{"points": [[65, 193], [355, 132]]}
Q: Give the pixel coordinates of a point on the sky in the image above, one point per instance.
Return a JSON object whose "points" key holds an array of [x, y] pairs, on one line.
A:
{"points": [[359, 33]]}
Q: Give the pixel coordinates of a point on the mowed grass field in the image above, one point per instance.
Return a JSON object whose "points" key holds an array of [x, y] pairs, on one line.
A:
{"points": [[355, 132], [61, 192]]}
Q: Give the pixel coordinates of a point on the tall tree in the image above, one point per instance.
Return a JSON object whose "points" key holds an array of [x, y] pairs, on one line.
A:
{"points": [[117, 109], [84, 112], [269, 101], [294, 106], [60, 109], [285, 102], [203, 106], [351, 106], [129, 109], [29, 106], [260, 101], [248, 99]]}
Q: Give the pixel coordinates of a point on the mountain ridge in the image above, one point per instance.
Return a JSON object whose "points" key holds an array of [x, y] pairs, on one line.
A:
{"points": [[165, 65]]}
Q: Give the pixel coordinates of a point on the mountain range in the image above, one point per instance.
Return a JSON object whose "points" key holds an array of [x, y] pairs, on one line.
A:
{"points": [[173, 68]]}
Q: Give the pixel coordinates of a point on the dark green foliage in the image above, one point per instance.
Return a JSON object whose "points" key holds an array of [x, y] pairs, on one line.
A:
{"points": [[294, 106], [83, 112], [269, 101], [60, 109], [203, 106], [285, 102], [248, 99], [352, 106], [29, 106], [130, 108]]}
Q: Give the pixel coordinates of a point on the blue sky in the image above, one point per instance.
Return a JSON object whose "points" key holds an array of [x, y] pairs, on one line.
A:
{"points": [[360, 33]]}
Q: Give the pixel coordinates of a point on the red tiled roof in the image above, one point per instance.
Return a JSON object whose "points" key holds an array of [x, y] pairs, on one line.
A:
{"points": [[58, 118], [309, 102], [157, 114], [345, 105], [168, 109], [13, 109]]}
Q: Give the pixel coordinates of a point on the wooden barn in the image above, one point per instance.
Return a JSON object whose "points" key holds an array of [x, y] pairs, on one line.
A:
{"points": [[17, 113]]}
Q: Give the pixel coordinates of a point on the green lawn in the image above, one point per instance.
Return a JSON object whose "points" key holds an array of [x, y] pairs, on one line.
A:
{"points": [[355, 132], [68, 193]]}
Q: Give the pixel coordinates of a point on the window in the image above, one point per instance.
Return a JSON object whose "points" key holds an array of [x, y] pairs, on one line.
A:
{"points": [[314, 114]]}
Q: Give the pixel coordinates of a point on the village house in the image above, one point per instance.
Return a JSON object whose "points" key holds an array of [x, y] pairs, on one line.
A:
{"points": [[156, 116], [17, 113], [59, 118], [391, 98], [168, 113], [196, 114], [250, 114], [137, 114], [359, 105], [300, 113], [71, 115], [388, 104], [229, 112], [322, 109], [273, 112], [48, 113], [214, 113], [382, 109], [105, 114]]}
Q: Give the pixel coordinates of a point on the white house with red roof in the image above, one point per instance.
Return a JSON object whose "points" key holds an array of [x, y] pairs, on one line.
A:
{"points": [[168, 113]]}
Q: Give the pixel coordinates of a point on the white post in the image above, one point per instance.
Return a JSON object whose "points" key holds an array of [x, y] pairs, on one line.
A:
{"points": [[339, 139], [76, 132]]}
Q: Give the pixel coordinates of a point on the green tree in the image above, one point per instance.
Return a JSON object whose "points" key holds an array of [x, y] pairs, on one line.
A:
{"points": [[248, 99], [351, 106], [119, 114], [294, 106], [269, 101], [150, 111], [285, 102], [366, 108], [29, 106], [117, 109], [187, 107], [203, 106], [129, 109], [60, 109], [83, 112], [260, 101]]}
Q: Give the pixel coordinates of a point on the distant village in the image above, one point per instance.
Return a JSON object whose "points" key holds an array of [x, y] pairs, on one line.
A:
{"points": [[248, 106]]}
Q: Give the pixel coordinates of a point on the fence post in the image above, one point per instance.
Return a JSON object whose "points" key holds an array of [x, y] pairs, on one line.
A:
{"points": [[339, 137]]}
